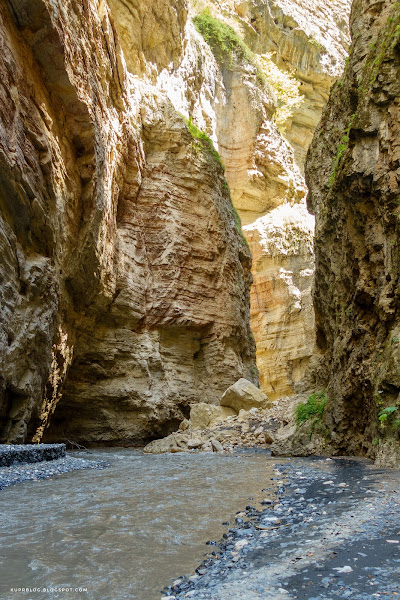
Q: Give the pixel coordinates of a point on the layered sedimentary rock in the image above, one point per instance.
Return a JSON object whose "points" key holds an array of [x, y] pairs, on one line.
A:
{"points": [[260, 105], [124, 279], [282, 315], [353, 171], [302, 47]]}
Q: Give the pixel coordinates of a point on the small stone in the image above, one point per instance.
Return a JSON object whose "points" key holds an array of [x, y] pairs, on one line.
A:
{"points": [[235, 559], [216, 445], [268, 438], [345, 569], [194, 443]]}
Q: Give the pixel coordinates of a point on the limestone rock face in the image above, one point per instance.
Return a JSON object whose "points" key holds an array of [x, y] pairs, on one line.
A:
{"points": [[124, 282], [282, 315], [151, 33], [204, 415], [244, 395], [262, 128], [353, 172]]}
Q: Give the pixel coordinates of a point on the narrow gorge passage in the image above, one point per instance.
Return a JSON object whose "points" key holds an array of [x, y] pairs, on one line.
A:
{"points": [[199, 299]]}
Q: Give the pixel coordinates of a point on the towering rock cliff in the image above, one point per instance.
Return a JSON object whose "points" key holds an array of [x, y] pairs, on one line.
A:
{"points": [[256, 79], [124, 280], [353, 171], [124, 286]]}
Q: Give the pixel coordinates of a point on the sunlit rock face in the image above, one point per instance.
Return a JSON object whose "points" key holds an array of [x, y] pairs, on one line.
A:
{"points": [[281, 303], [354, 177], [124, 280], [262, 130]]}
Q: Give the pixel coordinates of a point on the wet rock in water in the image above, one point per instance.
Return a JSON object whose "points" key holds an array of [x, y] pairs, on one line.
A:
{"points": [[244, 395]]}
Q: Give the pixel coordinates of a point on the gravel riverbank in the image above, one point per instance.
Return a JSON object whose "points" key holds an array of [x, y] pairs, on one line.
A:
{"points": [[29, 453], [17, 473], [331, 532]]}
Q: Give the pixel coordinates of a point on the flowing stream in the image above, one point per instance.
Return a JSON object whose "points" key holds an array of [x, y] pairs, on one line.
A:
{"points": [[126, 531]]}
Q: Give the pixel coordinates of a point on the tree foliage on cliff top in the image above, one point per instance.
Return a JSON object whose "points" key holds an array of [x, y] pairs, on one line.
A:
{"points": [[226, 45]]}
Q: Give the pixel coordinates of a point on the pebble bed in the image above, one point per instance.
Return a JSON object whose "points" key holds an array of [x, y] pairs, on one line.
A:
{"points": [[331, 532], [29, 453], [18, 473]]}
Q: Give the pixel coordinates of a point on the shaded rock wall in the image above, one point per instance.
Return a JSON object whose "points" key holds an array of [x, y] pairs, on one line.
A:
{"points": [[353, 172], [125, 283]]}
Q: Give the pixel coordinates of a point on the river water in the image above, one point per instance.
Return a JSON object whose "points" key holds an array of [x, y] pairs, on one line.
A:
{"points": [[126, 531]]}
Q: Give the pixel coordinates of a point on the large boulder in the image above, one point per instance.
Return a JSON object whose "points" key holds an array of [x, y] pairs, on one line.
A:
{"points": [[176, 442], [244, 395], [203, 416]]}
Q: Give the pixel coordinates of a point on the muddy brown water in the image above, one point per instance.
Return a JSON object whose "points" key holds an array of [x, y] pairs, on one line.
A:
{"points": [[126, 531]]}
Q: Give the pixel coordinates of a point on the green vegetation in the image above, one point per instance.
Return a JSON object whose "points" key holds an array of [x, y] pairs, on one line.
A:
{"points": [[378, 399], [320, 47], [205, 141], [314, 407], [389, 420], [387, 413], [226, 45], [387, 41], [238, 223], [285, 88], [342, 147]]}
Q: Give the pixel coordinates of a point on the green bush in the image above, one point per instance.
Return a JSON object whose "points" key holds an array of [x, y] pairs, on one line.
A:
{"points": [[198, 134], [226, 45], [313, 408], [386, 413]]}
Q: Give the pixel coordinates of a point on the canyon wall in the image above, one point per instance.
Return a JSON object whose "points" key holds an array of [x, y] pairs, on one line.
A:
{"points": [[353, 172], [256, 80], [124, 281], [124, 288]]}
